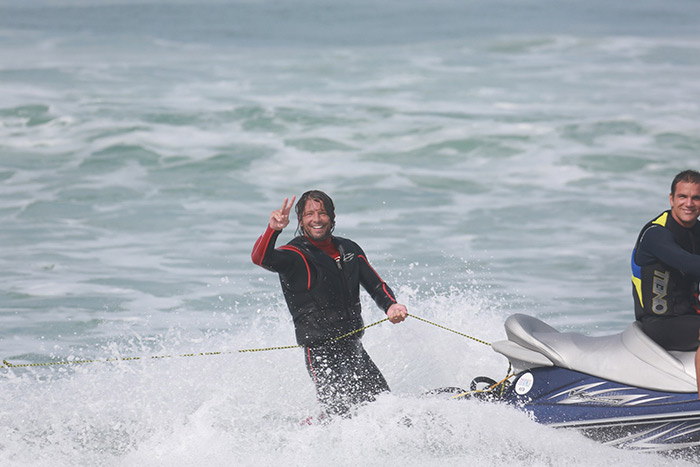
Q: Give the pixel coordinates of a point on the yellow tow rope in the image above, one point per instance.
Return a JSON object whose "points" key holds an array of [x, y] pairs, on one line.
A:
{"points": [[367, 327], [202, 354], [107, 360], [451, 330], [491, 389], [331, 341]]}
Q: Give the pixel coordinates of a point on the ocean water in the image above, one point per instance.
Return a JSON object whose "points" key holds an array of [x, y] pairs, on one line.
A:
{"points": [[491, 157]]}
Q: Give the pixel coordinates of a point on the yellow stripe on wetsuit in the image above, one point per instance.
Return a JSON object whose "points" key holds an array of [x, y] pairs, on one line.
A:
{"points": [[637, 279]]}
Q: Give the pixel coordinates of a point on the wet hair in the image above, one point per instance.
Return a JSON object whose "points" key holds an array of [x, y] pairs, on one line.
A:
{"points": [[688, 176], [315, 195]]}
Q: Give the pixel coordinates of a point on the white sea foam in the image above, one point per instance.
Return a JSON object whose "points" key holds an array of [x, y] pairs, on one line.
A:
{"points": [[248, 408]]}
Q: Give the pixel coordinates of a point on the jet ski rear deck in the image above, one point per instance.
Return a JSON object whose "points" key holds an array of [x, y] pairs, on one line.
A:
{"points": [[622, 389]]}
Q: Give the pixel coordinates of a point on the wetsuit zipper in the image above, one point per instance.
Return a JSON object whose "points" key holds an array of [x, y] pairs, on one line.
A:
{"points": [[339, 263]]}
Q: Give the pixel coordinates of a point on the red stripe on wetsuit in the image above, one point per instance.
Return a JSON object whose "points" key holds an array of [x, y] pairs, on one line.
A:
{"points": [[380, 279], [261, 245]]}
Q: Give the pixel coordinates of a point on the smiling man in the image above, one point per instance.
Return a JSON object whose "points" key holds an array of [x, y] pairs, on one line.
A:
{"points": [[666, 269], [321, 276]]}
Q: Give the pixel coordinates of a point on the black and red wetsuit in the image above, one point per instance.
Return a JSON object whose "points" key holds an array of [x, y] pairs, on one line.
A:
{"points": [[665, 273], [321, 285]]}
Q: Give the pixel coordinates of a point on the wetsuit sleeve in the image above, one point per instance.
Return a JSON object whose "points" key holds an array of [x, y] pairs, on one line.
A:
{"points": [[380, 292], [273, 259], [658, 244]]}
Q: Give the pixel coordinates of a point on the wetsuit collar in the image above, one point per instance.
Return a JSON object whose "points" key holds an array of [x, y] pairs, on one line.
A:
{"points": [[326, 246]]}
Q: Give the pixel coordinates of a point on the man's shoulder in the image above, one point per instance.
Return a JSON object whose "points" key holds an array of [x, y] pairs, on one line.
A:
{"points": [[661, 219], [298, 240], [346, 242], [655, 232], [658, 222], [297, 244]]}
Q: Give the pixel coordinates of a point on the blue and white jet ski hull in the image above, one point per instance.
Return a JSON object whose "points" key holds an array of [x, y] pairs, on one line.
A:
{"points": [[616, 414], [622, 389]]}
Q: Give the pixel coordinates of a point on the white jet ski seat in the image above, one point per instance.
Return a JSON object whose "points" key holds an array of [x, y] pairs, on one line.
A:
{"points": [[630, 357]]}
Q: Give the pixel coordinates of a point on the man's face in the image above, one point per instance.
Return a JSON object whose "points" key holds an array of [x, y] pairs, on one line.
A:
{"points": [[685, 203], [315, 221]]}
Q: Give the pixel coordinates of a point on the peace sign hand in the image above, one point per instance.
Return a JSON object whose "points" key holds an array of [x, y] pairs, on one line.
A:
{"points": [[279, 219]]}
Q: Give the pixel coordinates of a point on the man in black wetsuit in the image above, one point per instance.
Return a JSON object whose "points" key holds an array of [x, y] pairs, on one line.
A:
{"points": [[666, 270], [320, 276]]}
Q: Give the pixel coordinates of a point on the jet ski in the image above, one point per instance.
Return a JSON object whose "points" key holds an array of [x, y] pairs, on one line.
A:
{"points": [[623, 390]]}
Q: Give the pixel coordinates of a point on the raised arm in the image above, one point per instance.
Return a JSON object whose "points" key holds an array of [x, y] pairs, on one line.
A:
{"points": [[264, 253]]}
